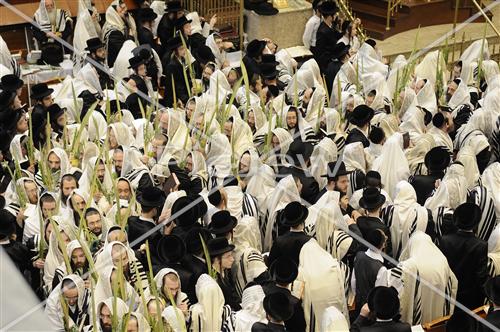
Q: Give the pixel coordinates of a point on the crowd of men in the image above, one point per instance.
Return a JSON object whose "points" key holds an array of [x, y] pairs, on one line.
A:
{"points": [[164, 188]]}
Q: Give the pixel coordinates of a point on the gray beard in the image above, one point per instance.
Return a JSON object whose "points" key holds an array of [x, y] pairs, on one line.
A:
{"points": [[52, 16]]}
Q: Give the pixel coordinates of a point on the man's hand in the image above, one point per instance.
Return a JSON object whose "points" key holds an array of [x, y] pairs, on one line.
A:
{"points": [[213, 20], [365, 311], [39, 263], [355, 215]]}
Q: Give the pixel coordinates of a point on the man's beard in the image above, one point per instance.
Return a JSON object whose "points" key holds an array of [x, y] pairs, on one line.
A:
{"points": [[291, 128], [97, 231], [448, 97], [101, 179], [106, 328], [99, 59], [118, 170]]}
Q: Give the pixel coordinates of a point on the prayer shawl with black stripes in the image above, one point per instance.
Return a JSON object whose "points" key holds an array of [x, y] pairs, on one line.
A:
{"points": [[47, 24], [248, 265], [494, 253], [423, 264], [482, 198], [404, 217]]}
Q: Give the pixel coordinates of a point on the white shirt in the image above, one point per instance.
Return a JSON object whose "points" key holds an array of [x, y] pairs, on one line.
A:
{"points": [[309, 36]]}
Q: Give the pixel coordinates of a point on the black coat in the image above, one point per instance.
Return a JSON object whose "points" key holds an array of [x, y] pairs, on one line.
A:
{"points": [[357, 136], [310, 188], [493, 318], [138, 227], [166, 29], [251, 66], [269, 327], [297, 322], [331, 71], [363, 324], [326, 39], [424, 185], [288, 245], [467, 257], [115, 42], [197, 268], [175, 69], [367, 224], [145, 36], [228, 288]]}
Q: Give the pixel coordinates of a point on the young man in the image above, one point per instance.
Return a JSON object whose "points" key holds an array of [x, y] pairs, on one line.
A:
{"points": [[311, 29], [360, 117], [278, 309], [42, 96]]}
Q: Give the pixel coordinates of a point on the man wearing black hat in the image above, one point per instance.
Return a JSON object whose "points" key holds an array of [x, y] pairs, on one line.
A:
{"points": [[42, 95], [436, 161], [298, 156], [337, 178], [270, 73], [372, 202], [289, 245], [492, 290], [140, 76], [166, 26], [175, 64], [151, 201], [360, 117], [278, 309], [12, 83], [381, 313], [467, 256], [253, 56], [340, 56], [170, 251], [145, 35], [57, 119], [327, 35], [18, 253], [283, 272], [222, 225], [97, 52]]}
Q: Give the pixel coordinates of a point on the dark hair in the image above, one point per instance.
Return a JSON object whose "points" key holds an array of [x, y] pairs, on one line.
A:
{"points": [[68, 177], [253, 80], [90, 212], [68, 284], [371, 42], [46, 198], [147, 209]]}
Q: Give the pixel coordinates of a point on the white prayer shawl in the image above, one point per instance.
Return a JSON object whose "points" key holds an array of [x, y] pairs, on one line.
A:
{"points": [[85, 28], [116, 306], [480, 124], [142, 322], [491, 180], [441, 138], [32, 222], [115, 22], [309, 75], [334, 320], [104, 288], [218, 159], [346, 78], [254, 166], [171, 314], [354, 157], [85, 182], [473, 52], [404, 217], [368, 60], [392, 164], [241, 137], [64, 168], [121, 68], [42, 17], [286, 192], [285, 139], [240, 204], [158, 7], [414, 123], [419, 303], [54, 256], [460, 97], [252, 310], [261, 186], [416, 154], [54, 310], [247, 234], [7, 61], [396, 71], [178, 137], [142, 128], [491, 102], [199, 169], [171, 198], [87, 79], [62, 271], [323, 284], [323, 153], [494, 253], [467, 157], [16, 150], [159, 280], [426, 98], [219, 87], [427, 68], [210, 313], [220, 55], [241, 97], [122, 133], [133, 168], [315, 106]]}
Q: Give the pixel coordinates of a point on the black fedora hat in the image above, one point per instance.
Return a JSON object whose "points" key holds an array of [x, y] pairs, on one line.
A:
{"points": [[278, 306], [174, 6], [7, 223], [93, 44], [6, 98], [55, 111], [151, 197], [255, 48], [294, 214], [492, 289], [11, 82], [340, 50], [298, 150], [40, 91], [371, 199], [284, 270], [193, 240], [270, 59], [136, 61], [146, 14], [330, 172], [328, 8], [361, 115], [174, 43], [181, 22], [186, 218], [466, 216], [437, 159], [385, 302], [268, 71], [373, 179], [219, 246], [222, 222], [170, 249]]}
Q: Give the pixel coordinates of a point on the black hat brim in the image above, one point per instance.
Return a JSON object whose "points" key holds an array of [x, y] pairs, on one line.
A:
{"points": [[302, 216], [221, 251], [42, 95], [135, 65], [223, 230], [370, 206]]}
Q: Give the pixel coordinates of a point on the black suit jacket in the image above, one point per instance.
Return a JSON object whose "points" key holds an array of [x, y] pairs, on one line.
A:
{"points": [[138, 227], [288, 245], [145, 36], [251, 66], [424, 185], [175, 69], [357, 136], [467, 257], [326, 39], [197, 268]]}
